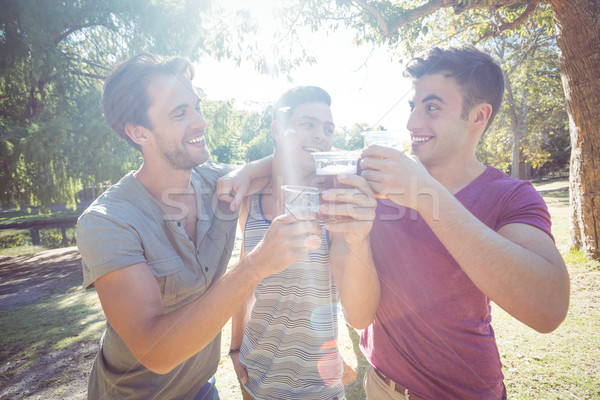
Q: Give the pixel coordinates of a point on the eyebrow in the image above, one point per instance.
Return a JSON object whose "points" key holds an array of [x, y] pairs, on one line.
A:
{"points": [[317, 120], [183, 105], [433, 97]]}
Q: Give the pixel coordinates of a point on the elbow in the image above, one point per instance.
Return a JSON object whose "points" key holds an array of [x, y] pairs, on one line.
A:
{"points": [[154, 361], [549, 323], [555, 310], [362, 320], [159, 368], [551, 319], [359, 323]]}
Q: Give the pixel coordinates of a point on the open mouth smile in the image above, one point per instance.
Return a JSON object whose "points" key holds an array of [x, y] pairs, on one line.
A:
{"points": [[421, 139], [196, 140]]}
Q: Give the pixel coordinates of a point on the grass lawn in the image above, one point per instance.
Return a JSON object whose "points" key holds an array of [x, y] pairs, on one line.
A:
{"points": [[564, 364]]}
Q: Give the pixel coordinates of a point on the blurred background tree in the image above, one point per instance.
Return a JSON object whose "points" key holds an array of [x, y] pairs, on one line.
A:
{"points": [[54, 141], [408, 26]]}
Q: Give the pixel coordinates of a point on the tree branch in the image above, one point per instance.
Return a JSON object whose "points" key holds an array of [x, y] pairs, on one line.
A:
{"points": [[432, 6], [375, 13], [520, 19], [63, 35]]}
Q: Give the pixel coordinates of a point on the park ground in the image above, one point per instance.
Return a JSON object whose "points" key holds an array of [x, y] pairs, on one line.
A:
{"points": [[50, 327]]}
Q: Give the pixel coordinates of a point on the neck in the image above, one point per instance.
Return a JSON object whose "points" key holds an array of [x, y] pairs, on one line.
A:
{"points": [[456, 177], [281, 174], [162, 182]]}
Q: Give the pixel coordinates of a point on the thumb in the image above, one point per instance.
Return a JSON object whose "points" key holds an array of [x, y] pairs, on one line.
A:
{"points": [[237, 200], [243, 376]]}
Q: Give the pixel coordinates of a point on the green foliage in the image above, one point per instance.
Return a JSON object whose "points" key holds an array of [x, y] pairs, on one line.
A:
{"points": [[55, 55], [260, 146], [350, 138], [14, 240], [237, 136], [54, 141], [527, 50], [533, 119]]}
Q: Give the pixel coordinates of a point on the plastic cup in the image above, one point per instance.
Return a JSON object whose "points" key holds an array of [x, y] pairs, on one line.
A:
{"points": [[394, 139], [300, 201], [329, 164]]}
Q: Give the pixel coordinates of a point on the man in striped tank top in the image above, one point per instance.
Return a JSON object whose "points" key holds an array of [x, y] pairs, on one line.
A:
{"points": [[284, 339]]}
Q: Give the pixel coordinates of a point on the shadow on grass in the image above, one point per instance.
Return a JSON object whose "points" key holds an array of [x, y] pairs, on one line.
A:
{"points": [[560, 195], [48, 343], [49, 326]]}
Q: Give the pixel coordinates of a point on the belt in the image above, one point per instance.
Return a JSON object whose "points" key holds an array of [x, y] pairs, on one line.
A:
{"points": [[399, 388]]}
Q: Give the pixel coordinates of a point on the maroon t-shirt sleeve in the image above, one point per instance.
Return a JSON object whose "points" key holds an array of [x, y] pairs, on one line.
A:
{"points": [[524, 205]]}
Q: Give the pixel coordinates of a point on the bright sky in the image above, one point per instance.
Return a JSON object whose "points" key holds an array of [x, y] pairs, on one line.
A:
{"points": [[364, 87]]}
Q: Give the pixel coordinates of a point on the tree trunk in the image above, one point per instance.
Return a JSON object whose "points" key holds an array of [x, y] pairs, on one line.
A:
{"points": [[516, 130], [578, 38]]}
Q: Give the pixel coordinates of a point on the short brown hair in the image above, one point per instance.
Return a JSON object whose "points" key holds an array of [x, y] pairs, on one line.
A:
{"points": [[126, 99], [479, 77]]}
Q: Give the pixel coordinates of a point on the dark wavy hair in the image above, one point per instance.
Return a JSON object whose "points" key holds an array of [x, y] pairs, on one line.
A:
{"points": [[126, 99], [479, 77]]}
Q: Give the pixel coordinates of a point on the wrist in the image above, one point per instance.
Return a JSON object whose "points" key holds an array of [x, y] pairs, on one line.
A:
{"points": [[233, 351]]}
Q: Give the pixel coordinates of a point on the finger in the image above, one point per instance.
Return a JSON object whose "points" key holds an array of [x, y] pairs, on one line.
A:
{"points": [[223, 186], [226, 197], [349, 210], [312, 242], [376, 151], [243, 375], [364, 198], [294, 216], [357, 182], [349, 225]]}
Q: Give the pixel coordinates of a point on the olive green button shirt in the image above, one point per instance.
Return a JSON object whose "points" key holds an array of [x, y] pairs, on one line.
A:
{"points": [[127, 226]]}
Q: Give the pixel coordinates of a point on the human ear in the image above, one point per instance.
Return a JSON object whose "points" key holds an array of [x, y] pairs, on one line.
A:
{"points": [[481, 114], [137, 133], [276, 131]]}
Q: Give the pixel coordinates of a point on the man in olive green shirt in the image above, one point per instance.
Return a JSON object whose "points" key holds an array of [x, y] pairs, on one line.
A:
{"points": [[156, 245]]}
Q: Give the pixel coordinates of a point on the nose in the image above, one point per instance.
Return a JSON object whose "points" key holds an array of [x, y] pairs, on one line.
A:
{"points": [[321, 132], [414, 121], [198, 121]]}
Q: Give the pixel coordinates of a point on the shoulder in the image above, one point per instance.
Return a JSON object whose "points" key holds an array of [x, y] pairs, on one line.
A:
{"points": [[499, 185], [516, 201], [210, 172], [120, 202]]}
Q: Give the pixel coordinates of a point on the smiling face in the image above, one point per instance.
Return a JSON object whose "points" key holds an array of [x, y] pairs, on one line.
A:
{"points": [[439, 132], [178, 130], [310, 129]]}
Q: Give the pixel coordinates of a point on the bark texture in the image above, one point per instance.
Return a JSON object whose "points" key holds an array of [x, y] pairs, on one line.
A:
{"points": [[578, 38]]}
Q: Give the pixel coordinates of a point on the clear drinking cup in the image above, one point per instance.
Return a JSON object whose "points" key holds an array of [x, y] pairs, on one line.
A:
{"points": [[329, 165], [395, 139], [300, 201]]}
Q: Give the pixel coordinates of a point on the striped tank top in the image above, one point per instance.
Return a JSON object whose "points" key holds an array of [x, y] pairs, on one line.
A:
{"points": [[290, 343]]}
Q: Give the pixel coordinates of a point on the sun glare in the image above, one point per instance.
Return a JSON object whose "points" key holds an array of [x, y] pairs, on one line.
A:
{"points": [[365, 84]]}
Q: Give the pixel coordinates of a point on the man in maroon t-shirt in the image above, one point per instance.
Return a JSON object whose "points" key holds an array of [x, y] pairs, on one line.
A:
{"points": [[452, 236]]}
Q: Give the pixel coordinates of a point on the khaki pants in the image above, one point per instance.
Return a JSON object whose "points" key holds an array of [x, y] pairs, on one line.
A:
{"points": [[245, 394], [376, 389]]}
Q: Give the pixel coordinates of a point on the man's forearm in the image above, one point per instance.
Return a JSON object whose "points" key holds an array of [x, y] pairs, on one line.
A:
{"points": [[356, 280], [519, 267]]}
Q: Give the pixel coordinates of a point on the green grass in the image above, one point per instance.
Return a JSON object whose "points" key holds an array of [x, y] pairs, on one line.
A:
{"points": [[564, 364], [52, 323], [21, 217]]}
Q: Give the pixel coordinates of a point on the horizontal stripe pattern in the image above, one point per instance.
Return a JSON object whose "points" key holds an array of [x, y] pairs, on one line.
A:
{"points": [[289, 347]]}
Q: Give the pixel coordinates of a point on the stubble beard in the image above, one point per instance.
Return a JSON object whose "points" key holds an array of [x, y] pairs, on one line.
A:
{"points": [[181, 160]]}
